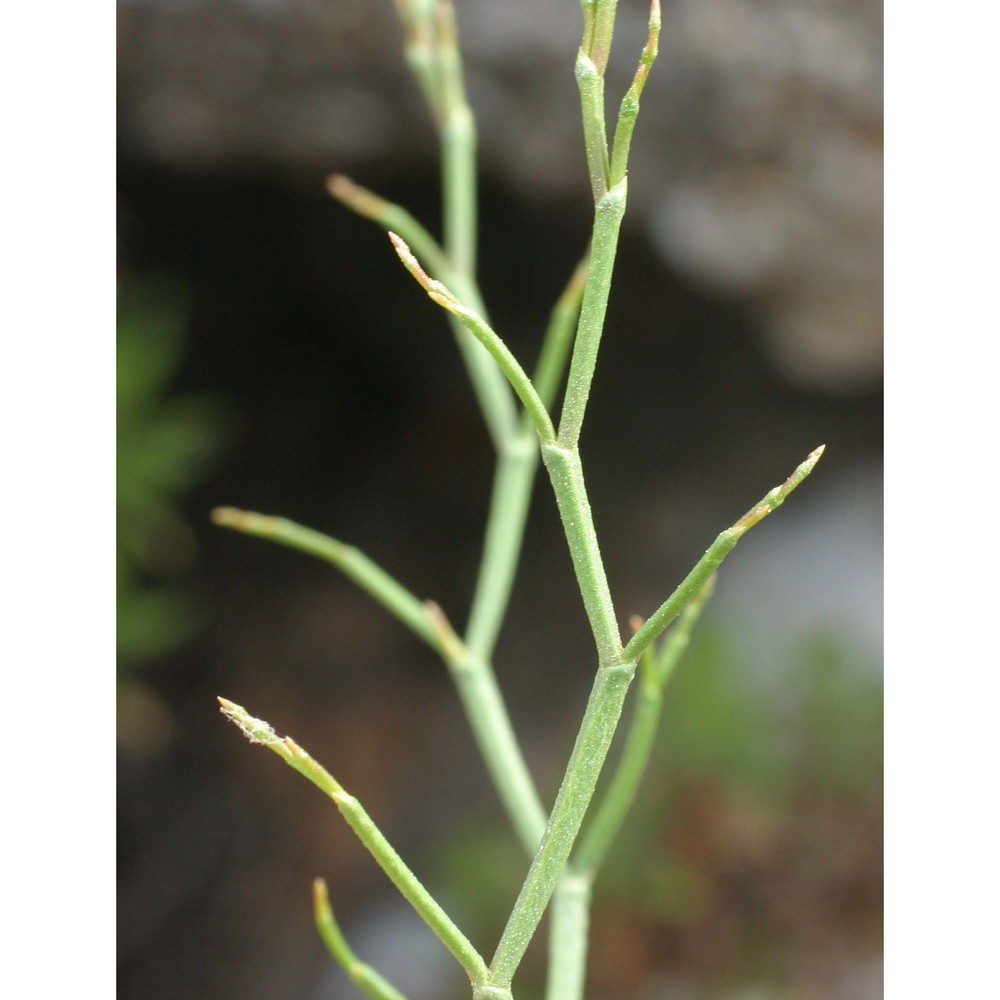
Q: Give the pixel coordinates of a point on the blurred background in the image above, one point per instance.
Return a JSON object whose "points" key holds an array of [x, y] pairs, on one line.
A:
{"points": [[274, 356]]}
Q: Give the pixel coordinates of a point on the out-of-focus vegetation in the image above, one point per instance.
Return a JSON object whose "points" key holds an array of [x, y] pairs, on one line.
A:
{"points": [[165, 444]]}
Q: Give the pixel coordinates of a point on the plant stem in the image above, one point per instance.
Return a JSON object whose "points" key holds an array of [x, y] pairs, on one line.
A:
{"points": [[595, 134], [473, 676], [571, 901], [512, 483], [367, 979], [420, 49], [513, 480], [259, 731], [566, 474], [495, 737], [353, 563], [458, 150], [712, 559], [589, 752], [654, 673], [602, 30], [484, 333], [562, 460], [604, 245], [559, 335], [629, 110], [568, 934], [395, 218], [458, 164]]}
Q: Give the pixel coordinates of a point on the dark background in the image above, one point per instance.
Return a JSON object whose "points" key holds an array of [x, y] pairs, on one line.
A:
{"points": [[308, 376]]}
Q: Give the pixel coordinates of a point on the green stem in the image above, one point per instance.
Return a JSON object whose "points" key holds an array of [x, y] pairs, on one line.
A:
{"points": [[484, 333], [589, 752], [472, 674], [654, 672], [495, 737], [568, 937], [488, 384], [607, 224], [432, 51], [395, 218], [713, 557], [259, 731], [458, 165], [420, 49], [367, 979], [599, 28], [566, 474], [595, 134], [512, 482], [353, 563], [559, 335], [458, 150], [629, 110]]}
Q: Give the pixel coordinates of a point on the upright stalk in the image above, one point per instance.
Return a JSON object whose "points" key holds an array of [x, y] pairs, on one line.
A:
{"points": [[519, 436], [589, 752], [432, 27]]}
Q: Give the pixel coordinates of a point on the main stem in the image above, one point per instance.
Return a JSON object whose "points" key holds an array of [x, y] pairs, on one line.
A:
{"points": [[597, 730], [589, 752]]}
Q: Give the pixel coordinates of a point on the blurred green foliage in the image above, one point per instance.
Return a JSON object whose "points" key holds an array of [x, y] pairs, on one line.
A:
{"points": [[165, 444]]}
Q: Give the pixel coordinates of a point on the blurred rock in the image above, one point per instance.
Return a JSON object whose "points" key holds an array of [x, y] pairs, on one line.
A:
{"points": [[757, 167]]}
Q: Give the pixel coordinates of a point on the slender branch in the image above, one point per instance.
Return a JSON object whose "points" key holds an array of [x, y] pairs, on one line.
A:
{"points": [[494, 734], [568, 934], [599, 28], [482, 331], [353, 563], [367, 979], [513, 481], [595, 134], [458, 149], [390, 216], [460, 222], [511, 497], [559, 335], [420, 50], [473, 676], [258, 731], [431, 43], [629, 110], [712, 559]]}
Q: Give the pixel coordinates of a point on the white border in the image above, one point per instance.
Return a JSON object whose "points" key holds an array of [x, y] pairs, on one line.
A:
{"points": [[942, 220]]}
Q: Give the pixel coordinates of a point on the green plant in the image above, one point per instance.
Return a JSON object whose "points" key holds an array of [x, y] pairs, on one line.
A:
{"points": [[165, 442], [517, 410]]}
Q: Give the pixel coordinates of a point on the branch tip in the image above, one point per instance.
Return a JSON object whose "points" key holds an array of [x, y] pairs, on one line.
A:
{"points": [[340, 186], [779, 494], [226, 517], [410, 262]]}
